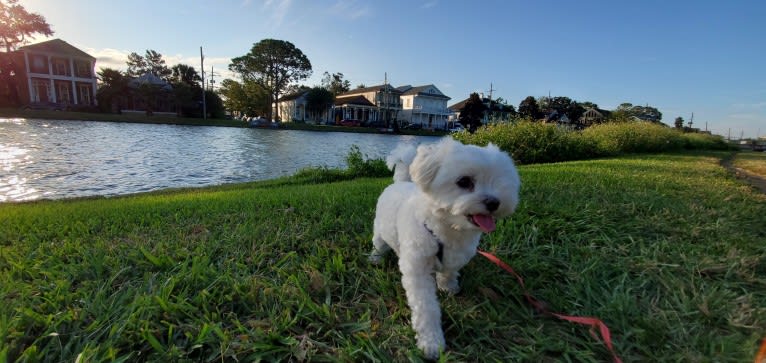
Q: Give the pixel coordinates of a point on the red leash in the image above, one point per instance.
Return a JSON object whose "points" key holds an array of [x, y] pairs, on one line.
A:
{"points": [[540, 307], [761, 356]]}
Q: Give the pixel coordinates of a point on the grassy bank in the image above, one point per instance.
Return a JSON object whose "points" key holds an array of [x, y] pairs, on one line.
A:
{"points": [[753, 162], [666, 249]]}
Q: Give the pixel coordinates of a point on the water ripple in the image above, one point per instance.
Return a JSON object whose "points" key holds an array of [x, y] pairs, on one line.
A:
{"points": [[61, 159]]}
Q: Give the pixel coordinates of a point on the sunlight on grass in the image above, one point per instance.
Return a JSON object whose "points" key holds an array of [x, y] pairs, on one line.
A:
{"points": [[666, 249], [754, 162]]}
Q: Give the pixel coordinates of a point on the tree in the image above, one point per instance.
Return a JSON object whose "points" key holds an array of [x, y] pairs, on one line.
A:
{"points": [[645, 113], [679, 122], [248, 98], [273, 65], [187, 90], [335, 83], [472, 113], [151, 62], [186, 74], [112, 85], [528, 108], [16, 25], [318, 99]]}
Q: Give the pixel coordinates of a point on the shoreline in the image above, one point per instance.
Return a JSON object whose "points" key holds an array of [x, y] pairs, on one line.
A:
{"points": [[184, 121]]}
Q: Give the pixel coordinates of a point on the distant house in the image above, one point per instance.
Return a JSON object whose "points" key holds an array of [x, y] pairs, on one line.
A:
{"points": [[590, 117], [151, 95], [56, 75], [294, 108], [497, 111], [379, 104], [425, 106]]}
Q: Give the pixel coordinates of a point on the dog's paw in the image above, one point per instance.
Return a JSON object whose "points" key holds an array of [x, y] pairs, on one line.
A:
{"points": [[452, 290], [450, 286], [432, 347], [375, 258]]}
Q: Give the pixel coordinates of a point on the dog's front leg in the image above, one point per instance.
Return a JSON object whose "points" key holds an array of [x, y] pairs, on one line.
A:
{"points": [[420, 286]]}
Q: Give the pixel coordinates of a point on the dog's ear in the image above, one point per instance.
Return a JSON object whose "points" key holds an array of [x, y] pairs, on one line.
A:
{"points": [[426, 164]]}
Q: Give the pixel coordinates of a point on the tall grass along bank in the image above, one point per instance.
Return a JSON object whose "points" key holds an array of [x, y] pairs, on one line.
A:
{"points": [[534, 142], [666, 249]]}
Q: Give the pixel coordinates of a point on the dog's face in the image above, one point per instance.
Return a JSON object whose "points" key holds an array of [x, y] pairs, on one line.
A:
{"points": [[471, 186]]}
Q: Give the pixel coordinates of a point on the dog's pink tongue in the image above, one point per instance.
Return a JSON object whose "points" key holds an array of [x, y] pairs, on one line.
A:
{"points": [[485, 222]]}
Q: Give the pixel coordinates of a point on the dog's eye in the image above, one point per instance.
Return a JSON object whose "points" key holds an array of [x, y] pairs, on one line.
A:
{"points": [[465, 182]]}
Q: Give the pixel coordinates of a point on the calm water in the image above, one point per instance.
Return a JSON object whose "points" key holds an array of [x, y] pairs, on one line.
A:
{"points": [[60, 159]]}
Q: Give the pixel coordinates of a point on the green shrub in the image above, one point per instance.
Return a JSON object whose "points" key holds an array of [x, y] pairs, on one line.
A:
{"points": [[530, 142], [358, 166], [533, 142], [632, 137]]}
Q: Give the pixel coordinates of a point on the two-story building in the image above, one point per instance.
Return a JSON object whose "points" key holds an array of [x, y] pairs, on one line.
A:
{"points": [[425, 106], [56, 75], [376, 105]]}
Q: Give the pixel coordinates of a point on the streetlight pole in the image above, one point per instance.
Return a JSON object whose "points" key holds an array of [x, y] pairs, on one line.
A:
{"points": [[202, 67]]}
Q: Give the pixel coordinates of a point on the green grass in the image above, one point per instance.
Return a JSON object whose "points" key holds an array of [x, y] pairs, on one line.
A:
{"points": [[666, 249], [754, 162]]}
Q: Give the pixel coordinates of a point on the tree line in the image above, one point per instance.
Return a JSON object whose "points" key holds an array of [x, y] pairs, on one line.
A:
{"points": [[271, 69]]}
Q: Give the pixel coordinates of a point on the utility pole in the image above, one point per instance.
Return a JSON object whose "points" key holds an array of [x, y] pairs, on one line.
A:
{"points": [[212, 79], [202, 67], [489, 110]]}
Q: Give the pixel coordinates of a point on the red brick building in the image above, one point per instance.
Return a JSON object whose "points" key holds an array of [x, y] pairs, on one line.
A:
{"points": [[55, 74]]}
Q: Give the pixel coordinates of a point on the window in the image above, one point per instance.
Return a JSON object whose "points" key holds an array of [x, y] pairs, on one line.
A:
{"points": [[83, 69], [84, 93], [40, 90], [62, 93], [60, 67], [39, 64]]}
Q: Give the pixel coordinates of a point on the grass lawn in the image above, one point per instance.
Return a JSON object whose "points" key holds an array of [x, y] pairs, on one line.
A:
{"points": [[668, 250], [753, 162]]}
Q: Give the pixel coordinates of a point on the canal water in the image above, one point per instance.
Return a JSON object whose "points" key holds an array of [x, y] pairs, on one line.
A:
{"points": [[54, 159]]}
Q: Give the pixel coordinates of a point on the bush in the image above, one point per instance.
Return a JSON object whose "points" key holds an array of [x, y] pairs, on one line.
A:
{"points": [[532, 142], [358, 166]]}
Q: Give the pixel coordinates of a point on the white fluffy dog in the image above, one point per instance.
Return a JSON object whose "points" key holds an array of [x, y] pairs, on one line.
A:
{"points": [[443, 197]]}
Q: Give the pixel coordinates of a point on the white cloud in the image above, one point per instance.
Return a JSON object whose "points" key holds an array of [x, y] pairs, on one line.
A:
{"points": [[351, 9], [115, 59], [429, 4], [278, 9]]}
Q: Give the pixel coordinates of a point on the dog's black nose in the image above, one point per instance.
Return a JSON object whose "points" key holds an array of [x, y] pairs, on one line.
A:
{"points": [[491, 203]]}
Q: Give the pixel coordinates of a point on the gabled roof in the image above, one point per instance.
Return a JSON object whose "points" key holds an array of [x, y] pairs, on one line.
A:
{"points": [[149, 79], [423, 91], [378, 88], [458, 106], [56, 46], [496, 107], [353, 100], [292, 96]]}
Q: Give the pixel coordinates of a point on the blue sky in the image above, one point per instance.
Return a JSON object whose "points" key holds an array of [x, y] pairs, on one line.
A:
{"points": [[705, 57]]}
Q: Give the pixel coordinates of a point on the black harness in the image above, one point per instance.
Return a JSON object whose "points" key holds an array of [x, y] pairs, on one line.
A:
{"points": [[440, 252]]}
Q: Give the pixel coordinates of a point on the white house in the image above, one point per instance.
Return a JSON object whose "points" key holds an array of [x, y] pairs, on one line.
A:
{"points": [[292, 107], [425, 106]]}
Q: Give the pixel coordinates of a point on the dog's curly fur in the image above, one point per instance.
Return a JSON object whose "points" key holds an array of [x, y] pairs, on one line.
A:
{"points": [[443, 197]]}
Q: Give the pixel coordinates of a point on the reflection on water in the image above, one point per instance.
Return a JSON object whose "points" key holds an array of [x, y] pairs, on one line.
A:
{"points": [[60, 159]]}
